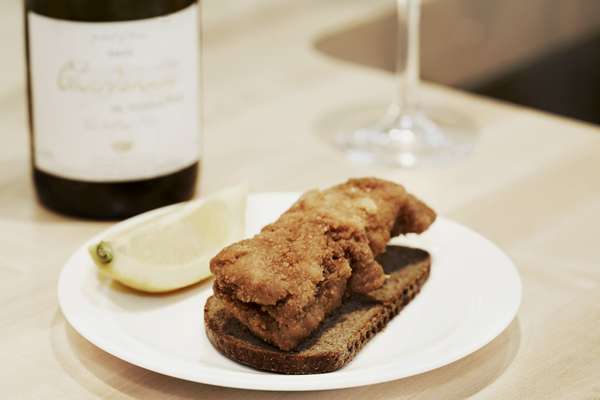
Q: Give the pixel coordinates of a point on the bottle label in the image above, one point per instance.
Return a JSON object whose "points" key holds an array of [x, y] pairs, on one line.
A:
{"points": [[115, 101]]}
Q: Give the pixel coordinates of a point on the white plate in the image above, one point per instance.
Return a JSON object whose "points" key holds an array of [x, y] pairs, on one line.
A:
{"points": [[473, 293]]}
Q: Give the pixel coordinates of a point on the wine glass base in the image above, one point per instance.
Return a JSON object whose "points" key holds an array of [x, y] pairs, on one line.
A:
{"points": [[423, 138]]}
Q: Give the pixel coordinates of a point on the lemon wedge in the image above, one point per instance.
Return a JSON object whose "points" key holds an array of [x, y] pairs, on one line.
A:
{"points": [[170, 248]]}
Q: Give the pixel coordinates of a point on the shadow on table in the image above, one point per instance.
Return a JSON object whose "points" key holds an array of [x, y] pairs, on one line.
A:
{"points": [[102, 374], [369, 43]]}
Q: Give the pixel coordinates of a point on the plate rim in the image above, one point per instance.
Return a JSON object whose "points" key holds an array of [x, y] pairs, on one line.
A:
{"points": [[211, 375]]}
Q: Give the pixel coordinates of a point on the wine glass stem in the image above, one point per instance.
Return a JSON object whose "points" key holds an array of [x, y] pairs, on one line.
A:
{"points": [[407, 62]]}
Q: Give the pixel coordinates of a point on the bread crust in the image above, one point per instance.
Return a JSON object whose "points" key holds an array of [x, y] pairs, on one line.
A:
{"points": [[341, 336]]}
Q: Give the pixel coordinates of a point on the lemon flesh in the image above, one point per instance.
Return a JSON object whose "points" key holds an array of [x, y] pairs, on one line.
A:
{"points": [[171, 248]]}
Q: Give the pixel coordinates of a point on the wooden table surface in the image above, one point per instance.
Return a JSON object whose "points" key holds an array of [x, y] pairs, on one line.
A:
{"points": [[532, 186]]}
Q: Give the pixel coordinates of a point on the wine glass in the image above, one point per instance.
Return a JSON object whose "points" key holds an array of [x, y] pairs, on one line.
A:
{"points": [[406, 135]]}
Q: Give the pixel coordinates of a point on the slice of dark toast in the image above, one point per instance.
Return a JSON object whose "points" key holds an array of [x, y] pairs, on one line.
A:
{"points": [[341, 335]]}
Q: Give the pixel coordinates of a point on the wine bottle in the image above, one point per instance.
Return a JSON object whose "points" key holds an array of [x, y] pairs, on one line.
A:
{"points": [[113, 90]]}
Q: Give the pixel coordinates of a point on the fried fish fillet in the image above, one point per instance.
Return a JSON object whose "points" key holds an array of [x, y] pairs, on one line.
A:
{"points": [[283, 282]]}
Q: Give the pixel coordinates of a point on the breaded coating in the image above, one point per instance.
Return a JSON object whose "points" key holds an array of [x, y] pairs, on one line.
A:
{"points": [[283, 282]]}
